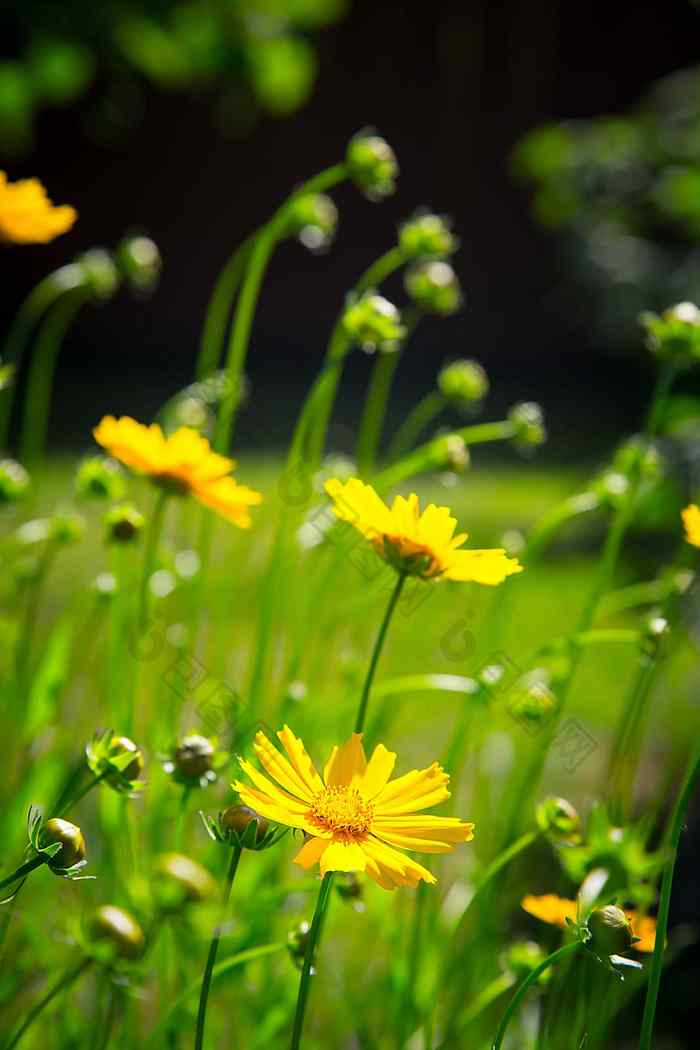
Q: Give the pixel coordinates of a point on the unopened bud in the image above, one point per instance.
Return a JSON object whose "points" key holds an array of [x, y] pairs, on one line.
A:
{"points": [[529, 423], [463, 381], [180, 880], [100, 273], [139, 261], [372, 165], [118, 932], [297, 940], [427, 236], [611, 932], [236, 819], [313, 218], [675, 334], [558, 818], [71, 839], [123, 523], [434, 287], [66, 527], [101, 478], [373, 323], [193, 756], [14, 481]]}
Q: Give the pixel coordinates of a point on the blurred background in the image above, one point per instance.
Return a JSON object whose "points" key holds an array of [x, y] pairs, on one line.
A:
{"points": [[566, 148]]}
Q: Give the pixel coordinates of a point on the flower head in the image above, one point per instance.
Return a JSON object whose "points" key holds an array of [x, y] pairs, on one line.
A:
{"points": [[415, 543], [556, 911], [27, 216], [181, 463], [354, 816], [691, 522]]}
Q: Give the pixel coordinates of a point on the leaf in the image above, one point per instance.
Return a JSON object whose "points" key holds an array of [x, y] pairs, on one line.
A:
{"points": [[49, 679]]}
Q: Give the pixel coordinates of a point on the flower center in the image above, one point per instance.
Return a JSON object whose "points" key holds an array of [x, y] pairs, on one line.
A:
{"points": [[406, 556], [343, 810]]}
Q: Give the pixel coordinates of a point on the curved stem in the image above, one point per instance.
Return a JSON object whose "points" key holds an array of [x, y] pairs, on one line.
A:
{"points": [[309, 956], [213, 949], [22, 871], [372, 421], [218, 309], [523, 987], [376, 652], [415, 423], [676, 829], [37, 405], [61, 985]]}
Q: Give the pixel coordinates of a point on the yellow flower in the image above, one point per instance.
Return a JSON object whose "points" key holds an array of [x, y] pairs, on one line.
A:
{"points": [[556, 910], [691, 521], [354, 816], [416, 544], [181, 463], [27, 216]]}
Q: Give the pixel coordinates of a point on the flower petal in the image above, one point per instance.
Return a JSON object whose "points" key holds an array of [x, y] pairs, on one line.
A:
{"points": [[343, 856], [275, 793], [379, 769], [300, 760], [279, 768], [397, 863], [489, 567], [267, 807], [310, 853], [550, 908], [414, 791], [346, 763]]}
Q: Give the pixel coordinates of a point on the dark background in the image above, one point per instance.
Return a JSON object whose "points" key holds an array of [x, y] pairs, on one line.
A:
{"points": [[452, 86]]}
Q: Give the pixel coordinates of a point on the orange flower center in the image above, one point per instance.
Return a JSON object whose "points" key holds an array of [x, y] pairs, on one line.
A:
{"points": [[342, 810], [415, 559]]}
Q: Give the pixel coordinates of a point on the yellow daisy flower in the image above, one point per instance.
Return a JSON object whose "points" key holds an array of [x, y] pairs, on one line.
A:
{"points": [[413, 543], [556, 910], [691, 521], [27, 216], [182, 463], [354, 816]]}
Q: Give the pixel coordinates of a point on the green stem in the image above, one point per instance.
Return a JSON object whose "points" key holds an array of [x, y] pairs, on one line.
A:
{"points": [[213, 950], [261, 251], [676, 829], [61, 985], [149, 557], [376, 652], [84, 791], [26, 635], [309, 957], [22, 871], [527, 983], [219, 308], [37, 405], [372, 420], [427, 409]]}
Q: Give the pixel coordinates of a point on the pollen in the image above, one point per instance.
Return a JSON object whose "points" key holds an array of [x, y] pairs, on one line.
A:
{"points": [[342, 810]]}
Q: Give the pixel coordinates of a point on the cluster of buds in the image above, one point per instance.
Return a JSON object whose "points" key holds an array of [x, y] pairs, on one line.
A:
{"points": [[195, 760], [427, 236], [242, 828], [100, 477], [373, 323], [313, 218], [113, 937], [58, 843], [117, 760], [123, 523], [675, 335], [14, 481], [180, 881], [434, 287], [463, 383], [372, 165], [558, 819], [528, 421]]}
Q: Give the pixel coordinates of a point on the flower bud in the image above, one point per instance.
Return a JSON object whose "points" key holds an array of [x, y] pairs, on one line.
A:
{"points": [[237, 819], [454, 453], [100, 273], [372, 165], [427, 236], [121, 745], [139, 262], [434, 287], [313, 218], [14, 481], [70, 837], [100, 477], [117, 932], [523, 957], [348, 886], [373, 323], [297, 940], [611, 932], [527, 417], [180, 880], [558, 818], [117, 760], [66, 527], [123, 523], [676, 334], [193, 756], [463, 381]]}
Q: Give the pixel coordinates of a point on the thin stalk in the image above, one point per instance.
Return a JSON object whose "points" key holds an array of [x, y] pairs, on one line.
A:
{"points": [[83, 792], [110, 1020], [213, 950], [376, 652], [37, 405], [309, 956], [22, 871], [427, 409], [260, 253], [527, 983], [61, 985], [219, 308], [372, 420], [676, 829]]}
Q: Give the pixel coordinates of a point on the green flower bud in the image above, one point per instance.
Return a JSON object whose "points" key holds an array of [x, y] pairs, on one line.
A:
{"points": [[454, 453], [533, 704], [66, 527], [116, 760], [434, 287], [100, 477], [236, 819], [372, 165], [313, 218], [193, 756], [529, 422], [116, 934], [676, 334], [297, 940], [523, 957], [71, 839], [373, 323], [180, 880], [139, 262], [99, 273], [427, 236], [611, 932], [123, 523], [14, 481], [463, 381], [558, 818]]}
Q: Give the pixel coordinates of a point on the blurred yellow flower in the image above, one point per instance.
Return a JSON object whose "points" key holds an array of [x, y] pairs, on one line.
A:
{"points": [[182, 463], [27, 216], [556, 910], [691, 521], [415, 543], [355, 815]]}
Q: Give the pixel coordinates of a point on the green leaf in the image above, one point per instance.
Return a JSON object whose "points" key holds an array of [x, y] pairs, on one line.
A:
{"points": [[49, 679]]}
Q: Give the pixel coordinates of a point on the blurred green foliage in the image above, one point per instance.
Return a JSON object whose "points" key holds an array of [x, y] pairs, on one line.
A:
{"points": [[256, 55]]}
